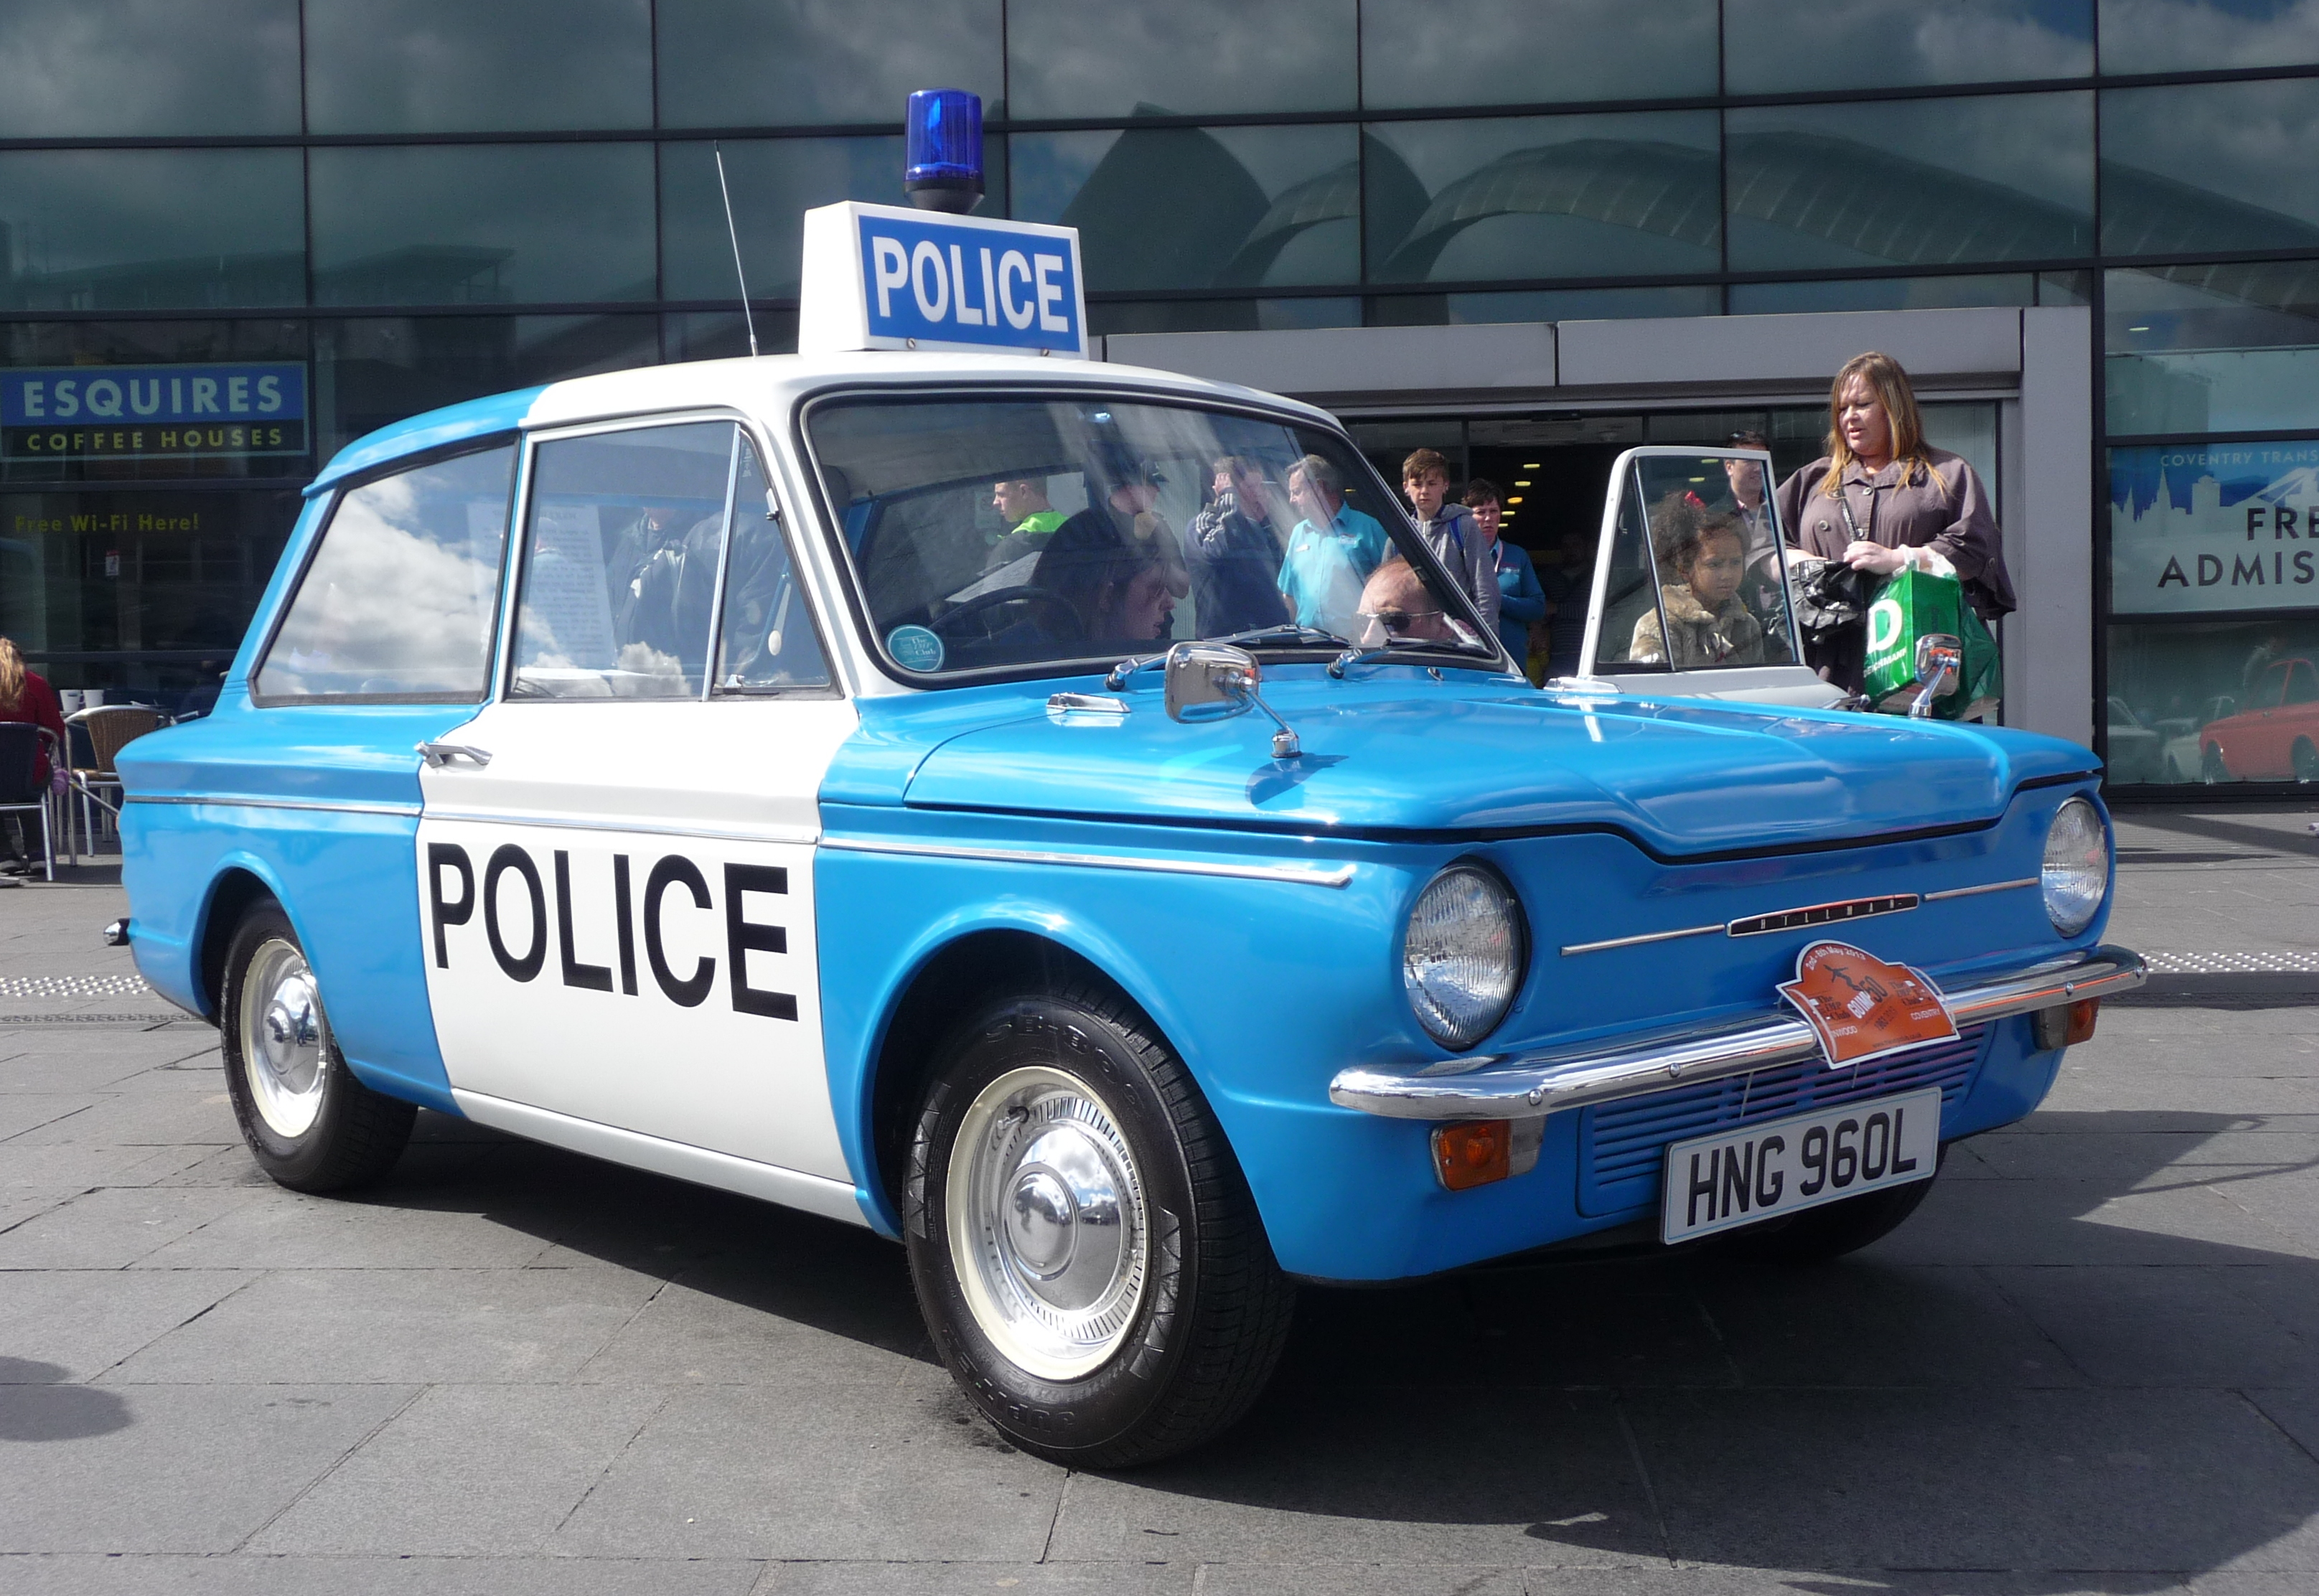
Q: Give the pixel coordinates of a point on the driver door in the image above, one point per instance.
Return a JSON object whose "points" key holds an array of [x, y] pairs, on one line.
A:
{"points": [[1689, 595]]}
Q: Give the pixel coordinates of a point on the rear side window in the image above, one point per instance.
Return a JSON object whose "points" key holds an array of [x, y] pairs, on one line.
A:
{"points": [[399, 602], [2302, 686]]}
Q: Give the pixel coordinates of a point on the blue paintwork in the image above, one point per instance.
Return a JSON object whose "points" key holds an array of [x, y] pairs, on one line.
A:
{"points": [[1267, 990], [1611, 819], [455, 423], [348, 880]]}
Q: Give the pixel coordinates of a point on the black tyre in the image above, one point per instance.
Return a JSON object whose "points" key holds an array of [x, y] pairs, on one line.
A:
{"points": [[310, 1123], [1820, 1235], [2306, 761], [1084, 1246], [2211, 767]]}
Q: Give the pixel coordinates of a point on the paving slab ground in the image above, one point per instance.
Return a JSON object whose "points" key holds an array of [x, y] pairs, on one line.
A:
{"points": [[2089, 1364]]}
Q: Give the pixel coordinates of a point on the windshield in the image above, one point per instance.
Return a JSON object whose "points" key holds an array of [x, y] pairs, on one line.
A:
{"points": [[1695, 576], [1002, 531]]}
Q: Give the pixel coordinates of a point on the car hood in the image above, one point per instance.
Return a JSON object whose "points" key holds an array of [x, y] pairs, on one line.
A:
{"points": [[1399, 754]]}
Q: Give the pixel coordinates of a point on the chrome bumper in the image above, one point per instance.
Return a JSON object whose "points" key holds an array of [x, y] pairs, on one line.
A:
{"points": [[1502, 1088]]}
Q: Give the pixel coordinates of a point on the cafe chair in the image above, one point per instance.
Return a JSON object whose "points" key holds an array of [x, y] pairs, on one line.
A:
{"points": [[21, 791], [110, 728]]}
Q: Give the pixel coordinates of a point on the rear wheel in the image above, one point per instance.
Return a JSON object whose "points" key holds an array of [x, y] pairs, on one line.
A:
{"points": [[310, 1123], [1084, 1246], [2306, 761]]}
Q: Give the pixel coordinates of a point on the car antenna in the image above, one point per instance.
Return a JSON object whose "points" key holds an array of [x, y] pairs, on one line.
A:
{"points": [[734, 233]]}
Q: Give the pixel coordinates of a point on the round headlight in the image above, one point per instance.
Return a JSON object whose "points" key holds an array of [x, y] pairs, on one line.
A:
{"points": [[2077, 867], [1462, 961]]}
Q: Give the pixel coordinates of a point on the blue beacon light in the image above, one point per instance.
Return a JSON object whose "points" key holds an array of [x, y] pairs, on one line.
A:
{"points": [[944, 138]]}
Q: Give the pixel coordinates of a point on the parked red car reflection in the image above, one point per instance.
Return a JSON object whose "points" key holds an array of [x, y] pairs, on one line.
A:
{"points": [[2275, 737]]}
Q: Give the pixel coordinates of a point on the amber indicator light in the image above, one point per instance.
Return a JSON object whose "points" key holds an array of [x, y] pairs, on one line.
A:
{"points": [[2082, 1013], [1474, 1152]]}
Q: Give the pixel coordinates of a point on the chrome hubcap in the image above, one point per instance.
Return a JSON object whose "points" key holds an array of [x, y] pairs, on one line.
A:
{"points": [[284, 1039], [1046, 1223]]}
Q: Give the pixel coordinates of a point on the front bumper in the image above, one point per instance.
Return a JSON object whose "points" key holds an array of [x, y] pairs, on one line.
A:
{"points": [[1530, 1087]]}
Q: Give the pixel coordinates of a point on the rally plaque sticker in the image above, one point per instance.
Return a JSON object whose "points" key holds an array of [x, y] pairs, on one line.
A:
{"points": [[1863, 1007]]}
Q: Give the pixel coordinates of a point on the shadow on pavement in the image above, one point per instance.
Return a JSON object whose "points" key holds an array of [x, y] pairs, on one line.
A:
{"points": [[36, 1405], [2016, 1379]]}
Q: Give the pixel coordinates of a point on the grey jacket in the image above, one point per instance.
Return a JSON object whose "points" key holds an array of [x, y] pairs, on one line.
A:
{"points": [[1945, 508], [1457, 544]]}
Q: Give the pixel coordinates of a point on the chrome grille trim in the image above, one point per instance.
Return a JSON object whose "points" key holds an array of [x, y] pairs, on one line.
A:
{"points": [[1498, 1088]]}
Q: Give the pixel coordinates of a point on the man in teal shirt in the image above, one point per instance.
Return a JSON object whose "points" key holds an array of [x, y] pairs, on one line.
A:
{"points": [[1330, 552]]}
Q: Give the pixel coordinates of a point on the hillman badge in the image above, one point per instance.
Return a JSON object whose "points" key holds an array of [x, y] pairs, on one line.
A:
{"points": [[1863, 1009]]}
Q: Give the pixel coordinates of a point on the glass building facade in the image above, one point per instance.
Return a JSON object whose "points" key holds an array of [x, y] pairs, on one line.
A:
{"points": [[378, 206]]}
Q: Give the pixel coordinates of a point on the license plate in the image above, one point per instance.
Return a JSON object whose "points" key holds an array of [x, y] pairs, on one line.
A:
{"points": [[1752, 1173]]}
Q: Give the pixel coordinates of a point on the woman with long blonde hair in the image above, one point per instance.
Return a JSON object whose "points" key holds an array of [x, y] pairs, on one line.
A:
{"points": [[24, 695], [1881, 498]]}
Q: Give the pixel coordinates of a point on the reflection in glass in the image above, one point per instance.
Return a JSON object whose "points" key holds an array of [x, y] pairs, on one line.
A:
{"points": [[2186, 697], [2207, 167], [2201, 35], [787, 63], [774, 183], [229, 341], [457, 67], [1108, 317], [1863, 44], [1910, 182], [1417, 53], [765, 634], [399, 600], [2213, 348], [103, 230], [186, 568], [1179, 57], [723, 335], [483, 224], [1885, 293], [373, 370], [1019, 532], [1560, 196], [1550, 304], [620, 565], [119, 69], [1697, 579], [1199, 207]]}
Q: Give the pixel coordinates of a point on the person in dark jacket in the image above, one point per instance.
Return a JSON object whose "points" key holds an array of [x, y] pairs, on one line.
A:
{"points": [[25, 696], [1521, 600], [1233, 555], [1447, 529], [1881, 498]]}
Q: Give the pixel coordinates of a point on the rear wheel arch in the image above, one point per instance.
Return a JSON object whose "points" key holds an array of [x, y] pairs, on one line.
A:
{"points": [[232, 896]]}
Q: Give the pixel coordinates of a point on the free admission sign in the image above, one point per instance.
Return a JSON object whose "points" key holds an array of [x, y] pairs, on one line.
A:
{"points": [[881, 277], [2197, 529]]}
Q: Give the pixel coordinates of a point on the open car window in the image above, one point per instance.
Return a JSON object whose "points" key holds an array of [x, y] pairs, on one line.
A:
{"points": [[1694, 576], [997, 531]]}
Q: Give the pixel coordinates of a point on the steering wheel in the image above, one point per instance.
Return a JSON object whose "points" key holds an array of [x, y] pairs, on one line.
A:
{"points": [[979, 618]]}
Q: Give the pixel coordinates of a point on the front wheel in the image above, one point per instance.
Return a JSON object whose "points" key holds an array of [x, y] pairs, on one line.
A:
{"points": [[1084, 1246], [310, 1123], [2306, 761], [2211, 767]]}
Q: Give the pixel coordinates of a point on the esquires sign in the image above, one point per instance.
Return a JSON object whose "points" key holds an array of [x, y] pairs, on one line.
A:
{"points": [[148, 412], [2201, 529]]}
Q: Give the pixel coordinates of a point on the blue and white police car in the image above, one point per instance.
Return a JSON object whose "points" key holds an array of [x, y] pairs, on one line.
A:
{"points": [[875, 781]]}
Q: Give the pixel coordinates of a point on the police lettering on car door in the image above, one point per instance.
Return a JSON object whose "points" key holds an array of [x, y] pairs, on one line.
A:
{"points": [[673, 885]]}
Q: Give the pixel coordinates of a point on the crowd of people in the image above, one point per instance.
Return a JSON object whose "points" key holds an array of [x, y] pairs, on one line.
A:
{"points": [[1262, 553]]}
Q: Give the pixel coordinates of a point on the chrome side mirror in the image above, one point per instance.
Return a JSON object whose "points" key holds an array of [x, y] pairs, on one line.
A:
{"points": [[1940, 658], [1217, 681]]}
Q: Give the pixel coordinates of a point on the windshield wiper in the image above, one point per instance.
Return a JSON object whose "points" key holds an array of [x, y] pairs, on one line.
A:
{"points": [[1284, 635]]}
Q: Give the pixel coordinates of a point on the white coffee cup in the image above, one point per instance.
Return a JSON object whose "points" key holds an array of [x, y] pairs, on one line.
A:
{"points": [[72, 699]]}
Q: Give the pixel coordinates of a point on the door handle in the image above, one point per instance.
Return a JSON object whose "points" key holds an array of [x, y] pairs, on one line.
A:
{"points": [[439, 755]]}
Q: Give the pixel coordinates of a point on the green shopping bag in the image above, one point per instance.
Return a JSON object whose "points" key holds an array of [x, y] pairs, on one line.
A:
{"points": [[1915, 604]]}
